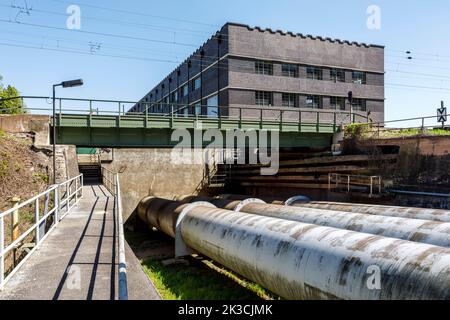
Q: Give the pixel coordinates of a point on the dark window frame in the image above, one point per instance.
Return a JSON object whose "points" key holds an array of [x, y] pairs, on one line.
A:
{"points": [[315, 104], [359, 104], [359, 77], [264, 67], [289, 100], [337, 75], [338, 103], [263, 98], [314, 73], [289, 70]]}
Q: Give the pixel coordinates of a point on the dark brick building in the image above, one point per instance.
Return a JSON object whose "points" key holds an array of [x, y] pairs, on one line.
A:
{"points": [[249, 67]]}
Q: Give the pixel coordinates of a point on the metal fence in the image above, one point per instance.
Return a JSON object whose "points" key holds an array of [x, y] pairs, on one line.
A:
{"points": [[95, 107], [57, 201], [348, 182], [112, 182]]}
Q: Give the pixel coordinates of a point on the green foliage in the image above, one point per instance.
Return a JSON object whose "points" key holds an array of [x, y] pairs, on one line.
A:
{"points": [[356, 130], [40, 177], [10, 106]]}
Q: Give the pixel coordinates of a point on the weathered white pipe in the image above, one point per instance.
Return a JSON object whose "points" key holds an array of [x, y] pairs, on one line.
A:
{"points": [[425, 231], [304, 261], [391, 211]]}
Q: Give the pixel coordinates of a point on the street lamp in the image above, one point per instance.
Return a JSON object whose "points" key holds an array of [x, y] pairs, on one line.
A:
{"points": [[64, 84]]}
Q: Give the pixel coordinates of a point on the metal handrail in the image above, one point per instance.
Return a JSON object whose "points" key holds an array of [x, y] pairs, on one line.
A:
{"points": [[353, 114], [348, 182], [113, 185], [55, 211]]}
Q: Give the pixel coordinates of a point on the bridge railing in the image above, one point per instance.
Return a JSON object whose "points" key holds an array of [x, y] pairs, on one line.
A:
{"points": [[46, 210], [112, 182], [308, 116], [373, 184]]}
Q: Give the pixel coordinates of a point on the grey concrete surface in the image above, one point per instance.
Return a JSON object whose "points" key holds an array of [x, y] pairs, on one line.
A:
{"points": [[79, 259]]}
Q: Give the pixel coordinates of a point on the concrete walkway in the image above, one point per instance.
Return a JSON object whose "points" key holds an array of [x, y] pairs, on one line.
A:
{"points": [[79, 259]]}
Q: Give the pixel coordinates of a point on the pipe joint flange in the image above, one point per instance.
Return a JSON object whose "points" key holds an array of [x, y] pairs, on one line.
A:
{"points": [[294, 200], [181, 249], [247, 201]]}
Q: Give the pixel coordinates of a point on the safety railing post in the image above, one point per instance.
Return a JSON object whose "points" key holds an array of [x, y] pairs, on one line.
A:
{"points": [[371, 186], [261, 118], [82, 184], [60, 112], [348, 183], [67, 197], [2, 248], [379, 185], [76, 190], [36, 221], [318, 121], [299, 121], [146, 117], [329, 181], [334, 121], [281, 120], [56, 204], [240, 118]]}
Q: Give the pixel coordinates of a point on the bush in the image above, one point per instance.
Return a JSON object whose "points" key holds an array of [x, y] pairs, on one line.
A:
{"points": [[356, 130]]}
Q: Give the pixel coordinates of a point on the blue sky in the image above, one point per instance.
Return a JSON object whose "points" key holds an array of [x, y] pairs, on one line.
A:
{"points": [[413, 87]]}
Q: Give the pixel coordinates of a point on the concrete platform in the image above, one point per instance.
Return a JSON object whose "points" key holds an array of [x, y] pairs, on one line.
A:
{"points": [[79, 259]]}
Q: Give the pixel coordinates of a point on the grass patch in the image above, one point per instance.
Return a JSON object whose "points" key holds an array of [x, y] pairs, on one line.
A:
{"points": [[200, 281]]}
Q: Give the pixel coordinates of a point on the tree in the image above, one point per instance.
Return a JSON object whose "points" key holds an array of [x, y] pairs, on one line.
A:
{"points": [[7, 104]]}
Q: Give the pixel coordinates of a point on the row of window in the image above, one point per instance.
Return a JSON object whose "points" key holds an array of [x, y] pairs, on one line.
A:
{"points": [[196, 85], [314, 73], [265, 98]]}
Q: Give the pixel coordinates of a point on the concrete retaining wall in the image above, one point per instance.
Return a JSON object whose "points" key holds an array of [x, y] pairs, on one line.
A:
{"points": [[24, 123], [152, 172]]}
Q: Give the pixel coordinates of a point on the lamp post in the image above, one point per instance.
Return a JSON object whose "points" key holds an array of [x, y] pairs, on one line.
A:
{"points": [[64, 84]]}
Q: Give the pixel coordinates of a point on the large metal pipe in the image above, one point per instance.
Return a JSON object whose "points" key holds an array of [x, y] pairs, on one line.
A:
{"points": [[425, 231], [391, 211], [304, 261]]}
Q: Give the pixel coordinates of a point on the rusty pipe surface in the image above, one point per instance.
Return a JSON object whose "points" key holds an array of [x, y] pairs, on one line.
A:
{"points": [[161, 214], [305, 261], [425, 231], [391, 211]]}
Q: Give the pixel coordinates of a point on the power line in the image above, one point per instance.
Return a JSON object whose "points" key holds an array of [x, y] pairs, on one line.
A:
{"points": [[136, 13], [100, 33], [122, 22]]}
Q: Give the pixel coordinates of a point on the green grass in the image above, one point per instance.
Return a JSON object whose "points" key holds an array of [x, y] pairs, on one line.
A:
{"points": [[201, 280], [413, 132]]}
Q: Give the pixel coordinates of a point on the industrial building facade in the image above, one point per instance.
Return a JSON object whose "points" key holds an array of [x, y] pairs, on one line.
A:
{"points": [[252, 68]]}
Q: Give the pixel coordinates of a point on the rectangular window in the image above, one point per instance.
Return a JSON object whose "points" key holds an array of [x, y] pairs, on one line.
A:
{"points": [[337, 75], [196, 84], [175, 96], [314, 102], [263, 98], [358, 77], [198, 109], [314, 73], [289, 70], [337, 103], [185, 90], [289, 100], [359, 105], [212, 110], [264, 67]]}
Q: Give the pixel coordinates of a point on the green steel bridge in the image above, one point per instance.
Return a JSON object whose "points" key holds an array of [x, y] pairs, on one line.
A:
{"points": [[106, 123]]}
